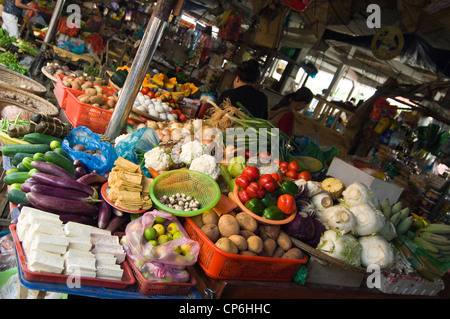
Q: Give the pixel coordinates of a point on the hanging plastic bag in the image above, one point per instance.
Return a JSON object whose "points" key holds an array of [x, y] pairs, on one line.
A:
{"points": [[103, 158], [134, 145]]}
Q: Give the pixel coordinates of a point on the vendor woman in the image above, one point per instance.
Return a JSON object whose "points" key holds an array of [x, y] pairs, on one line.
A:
{"points": [[12, 11], [244, 91], [282, 115], [96, 24]]}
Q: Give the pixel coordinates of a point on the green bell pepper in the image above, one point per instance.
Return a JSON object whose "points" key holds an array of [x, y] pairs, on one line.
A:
{"points": [[273, 213], [288, 187], [269, 200], [255, 206]]}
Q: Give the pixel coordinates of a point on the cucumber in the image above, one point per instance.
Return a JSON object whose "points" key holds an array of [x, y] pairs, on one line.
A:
{"points": [[13, 149], [16, 177], [16, 196], [60, 160], [18, 157], [55, 144], [62, 152], [39, 157], [27, 162], [22, 168], [39, 138]]}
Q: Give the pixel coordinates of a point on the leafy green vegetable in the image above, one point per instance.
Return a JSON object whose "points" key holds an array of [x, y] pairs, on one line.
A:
{"points": [[5, 39], [11, 62]]}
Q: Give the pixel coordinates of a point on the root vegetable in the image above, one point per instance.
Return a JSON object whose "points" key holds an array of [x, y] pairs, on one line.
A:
{"points": [[269, 231], [210, 217], [239, 241], [247, 222], [211, 231], [279, 252], [284, 241], [293, 253], [198, 220], [227, 245], [228, 225], [269, 247], [90, 91], [255, 244], [247, 253]]}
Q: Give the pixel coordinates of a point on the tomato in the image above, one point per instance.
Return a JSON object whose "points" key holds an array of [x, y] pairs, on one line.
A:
{"points": [[251, 172], [268, 183], [277, 177], [286, 203], [291, 174], [293, 166], [242, 181], [284, 167], [151, 94], [145, 90], [304, 175], [254, 190], [182, 118], [243, 196]]}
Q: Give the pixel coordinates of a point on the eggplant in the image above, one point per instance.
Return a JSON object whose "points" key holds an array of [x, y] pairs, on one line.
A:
{"points": [[80, 171], [79, 163], [83, 219], [92, 178], [58, 205], [117, 212], [26, 186], [56, 181], [63, 193], [116, 222], [52, 169], [104, 214]]}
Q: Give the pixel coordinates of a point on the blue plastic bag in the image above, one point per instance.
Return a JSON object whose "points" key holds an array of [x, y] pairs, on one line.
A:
{"points": [[103, 162], [135, 144]]}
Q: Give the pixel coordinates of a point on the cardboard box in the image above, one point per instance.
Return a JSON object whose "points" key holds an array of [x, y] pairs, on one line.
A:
{"points": [[348, 174]]}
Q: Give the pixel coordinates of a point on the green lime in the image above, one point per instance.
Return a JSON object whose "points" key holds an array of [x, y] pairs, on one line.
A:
{"points": [[150, 233], [153, 242], [177, 235], [159, 220]]}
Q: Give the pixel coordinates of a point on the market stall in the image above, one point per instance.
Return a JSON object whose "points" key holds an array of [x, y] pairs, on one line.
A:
{"points": [[126, 189]]}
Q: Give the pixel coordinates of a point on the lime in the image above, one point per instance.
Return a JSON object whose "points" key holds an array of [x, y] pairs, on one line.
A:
{"points": [[163, 239], [153, 242], [160, 230], [159, 220], [150, 233], [177, 235], [172, 228]]}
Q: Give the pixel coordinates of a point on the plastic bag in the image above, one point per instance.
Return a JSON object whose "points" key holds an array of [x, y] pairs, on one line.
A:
{"points": [[7, 254], [309, 146], [164, 262], [135, 144], [103, 162]]}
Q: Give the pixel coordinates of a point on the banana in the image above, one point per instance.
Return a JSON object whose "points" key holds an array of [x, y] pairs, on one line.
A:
{"points": [[395, 218], [410, 234], [434, 238], [385, 204], [404, 213], [443, 248], [387, 211], [437, 228], [404, 225], [396, 208], [426, 245]]}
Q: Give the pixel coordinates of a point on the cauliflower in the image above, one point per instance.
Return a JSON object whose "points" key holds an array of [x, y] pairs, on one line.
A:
{"points": [[191, 150], [158, 159], [206, 164]]}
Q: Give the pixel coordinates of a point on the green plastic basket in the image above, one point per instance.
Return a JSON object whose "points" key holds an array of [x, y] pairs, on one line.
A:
{"points": [[192, 183]]}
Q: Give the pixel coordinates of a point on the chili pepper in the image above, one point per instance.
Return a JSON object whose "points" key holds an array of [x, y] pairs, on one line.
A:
{"points": [[269, 200], [254, 190], [273, 213], [268, 183], [286, 203], [251, 172], [288, 187], [255, 205], [242, 181], [243, 196]]}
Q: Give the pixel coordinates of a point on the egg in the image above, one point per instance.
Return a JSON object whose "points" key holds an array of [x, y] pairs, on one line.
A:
{"points": [[163, 116], [159, 108], [152, 112], [165, 106], [170, 117]]}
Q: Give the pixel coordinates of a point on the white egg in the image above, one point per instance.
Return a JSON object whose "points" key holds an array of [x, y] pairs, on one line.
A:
{"points": [[163, 116], [152, 112], [170, 117], [151, 106], [165, 106], [159, 108]]}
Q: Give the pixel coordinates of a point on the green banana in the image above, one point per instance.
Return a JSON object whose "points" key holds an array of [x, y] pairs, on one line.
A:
{"points": [[385, 204], [426, 245], [443, 248], [387, 211], [434, 238], [396, 208], [395, 218], [404, 213], [404, 225], [419, 224], [410, 234], [437, 228]]}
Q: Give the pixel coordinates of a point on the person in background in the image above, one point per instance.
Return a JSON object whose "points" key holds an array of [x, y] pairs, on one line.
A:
{"points": [[96, 24], [244, 91], [282, 115], [12, 11]]}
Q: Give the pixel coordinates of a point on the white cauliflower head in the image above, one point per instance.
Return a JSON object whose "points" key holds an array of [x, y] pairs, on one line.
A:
{"points": [[191, 150], [206, 164], [158, 159]]}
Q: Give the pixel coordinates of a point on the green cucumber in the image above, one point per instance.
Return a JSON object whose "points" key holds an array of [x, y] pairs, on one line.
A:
{"points": [[55, 144], [13, 149], [39, 157], [27, 162], [18, 157], [62, 152], [16, 177], [16, 196], [22, 168], [39, 138], [60, 160]]}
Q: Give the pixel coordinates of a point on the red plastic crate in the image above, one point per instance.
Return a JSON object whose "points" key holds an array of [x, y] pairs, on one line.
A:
{"points": [[219, 264]]}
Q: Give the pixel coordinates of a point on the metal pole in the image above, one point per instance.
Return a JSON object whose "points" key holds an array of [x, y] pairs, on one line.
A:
{"points": [[53, 22], [153, 33]]}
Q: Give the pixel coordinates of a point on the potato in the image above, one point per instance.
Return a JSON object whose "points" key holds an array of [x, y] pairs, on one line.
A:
{"points": [[279, 252], [239, 241], [269, 246], [86, 85], [90, 91], [269, 231], [246, 234], [84, 98], [97, 99], [76, 86], [210, 217], [255, 244], [111, 103], [247, 222], [228, 225], [227, 245], [293, 253], [96, 105], [67, 83], [247, 253], [211, 231], [284, 241], [197, 219]]}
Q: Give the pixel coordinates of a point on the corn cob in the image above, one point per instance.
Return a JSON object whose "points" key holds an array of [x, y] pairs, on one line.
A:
{"points": [[434, 238], [404, 225], [437, 228], [426, 245]]}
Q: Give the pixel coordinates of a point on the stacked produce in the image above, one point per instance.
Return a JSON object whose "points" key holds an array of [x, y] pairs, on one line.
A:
{"points": [[162, 81], [55, 68], [154, 107]]}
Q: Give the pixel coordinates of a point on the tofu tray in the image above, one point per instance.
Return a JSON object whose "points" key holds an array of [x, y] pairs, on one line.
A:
{"points": [[127, 278]]}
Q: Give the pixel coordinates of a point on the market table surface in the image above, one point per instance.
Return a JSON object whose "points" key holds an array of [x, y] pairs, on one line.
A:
{"points": [[244, 289]]}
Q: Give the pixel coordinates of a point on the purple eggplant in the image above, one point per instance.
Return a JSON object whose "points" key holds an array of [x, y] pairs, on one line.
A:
{"points": [[56, 181], [79, 163], [63, 193], [52, 169], [116, 222], [92, 178], [118, 213], [104, 214], [26, 186], [83, 219], [80, 171], [58, 205]]}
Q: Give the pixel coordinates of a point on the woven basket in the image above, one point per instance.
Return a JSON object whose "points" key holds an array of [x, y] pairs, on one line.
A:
{"points": [[40, 105], [48, 75], [21, 82]]}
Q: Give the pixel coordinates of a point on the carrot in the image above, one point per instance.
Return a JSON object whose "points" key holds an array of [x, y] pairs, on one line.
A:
{"points": [[153, 172]]}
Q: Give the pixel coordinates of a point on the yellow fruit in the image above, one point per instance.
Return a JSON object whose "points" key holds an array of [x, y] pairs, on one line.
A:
{"points": [[185, 249], [163, 239], [172, 228], [177, 235], [160, 230]]}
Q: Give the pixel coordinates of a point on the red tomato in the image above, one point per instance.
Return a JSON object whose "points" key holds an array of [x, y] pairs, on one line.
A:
{"points": [[284, 167], [304, 175], [145, 90], [293, 166], [251, 172], [291, 174], [151, 94], [277, 177], [182, 118]]}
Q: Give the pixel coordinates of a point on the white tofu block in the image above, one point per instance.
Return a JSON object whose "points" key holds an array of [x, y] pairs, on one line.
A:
{"points": [[56, 249], [48, 228], [82, 263], [50, 239], [97, 239], [80, 243], [106, 261], [110, 273], [110, 278], [78, 254], [77, 229], [77, 271], [118, 253], [31, 211], [21, 229], [39, 260]]}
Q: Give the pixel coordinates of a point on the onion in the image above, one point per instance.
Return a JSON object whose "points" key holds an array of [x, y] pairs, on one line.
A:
{"points": [[152, 124], [166, 139], [165, 131], [161, 125]]}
